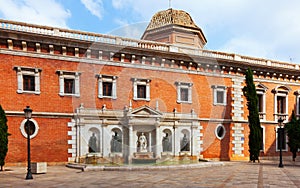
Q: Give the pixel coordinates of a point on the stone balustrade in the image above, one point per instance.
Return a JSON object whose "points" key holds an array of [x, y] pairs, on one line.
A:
{"points": [[94, 37]]}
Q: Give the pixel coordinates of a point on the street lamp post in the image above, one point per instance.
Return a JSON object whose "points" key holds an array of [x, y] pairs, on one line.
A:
{"points": [[28, 113], [280, 135]]}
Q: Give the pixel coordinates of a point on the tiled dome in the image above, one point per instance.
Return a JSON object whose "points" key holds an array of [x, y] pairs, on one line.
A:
{"points": [[171, 16]]}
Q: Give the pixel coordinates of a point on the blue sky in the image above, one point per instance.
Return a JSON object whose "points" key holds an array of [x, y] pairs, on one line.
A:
{"points": [[264, 29]]}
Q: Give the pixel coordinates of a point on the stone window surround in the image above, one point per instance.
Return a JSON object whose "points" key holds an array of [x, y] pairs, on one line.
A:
{"points": [[107, 78], [22, 128], [69, 75], [283, 92], [217, 88], [21, 71], [297, 94], [185, 85], [138, 81], [261, 90]]}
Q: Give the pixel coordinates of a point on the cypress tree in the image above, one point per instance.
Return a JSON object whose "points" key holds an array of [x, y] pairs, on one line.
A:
{"points": [[255, 136], [3, 137], [293, 132]]}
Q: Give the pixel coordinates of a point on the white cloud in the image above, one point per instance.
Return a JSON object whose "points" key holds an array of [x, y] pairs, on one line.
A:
{"points": [[129, 30], [35, 11], [94, 6], [118, 4]]}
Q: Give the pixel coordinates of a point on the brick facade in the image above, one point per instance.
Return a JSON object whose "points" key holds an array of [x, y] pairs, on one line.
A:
{"points": [[163, 68]]}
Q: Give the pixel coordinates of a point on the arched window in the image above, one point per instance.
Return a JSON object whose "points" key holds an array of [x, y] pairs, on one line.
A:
{"points": [[281, 102], [261, 94]]}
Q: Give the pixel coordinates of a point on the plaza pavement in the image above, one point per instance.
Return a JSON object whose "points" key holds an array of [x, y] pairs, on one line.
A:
{"points": [[226, 174]]}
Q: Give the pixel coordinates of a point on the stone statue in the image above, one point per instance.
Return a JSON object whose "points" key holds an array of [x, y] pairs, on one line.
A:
{"points": [[93, 144], [166, 143], [116, 143], [185, 144], [143, 143]]}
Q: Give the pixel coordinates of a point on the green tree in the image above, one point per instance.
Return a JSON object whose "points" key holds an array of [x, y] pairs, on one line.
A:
{"points": [[293, 132], [255, 136], [3, 137]]}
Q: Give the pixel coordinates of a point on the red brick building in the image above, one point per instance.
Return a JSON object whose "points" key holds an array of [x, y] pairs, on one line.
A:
{"points": [[81, 84]]}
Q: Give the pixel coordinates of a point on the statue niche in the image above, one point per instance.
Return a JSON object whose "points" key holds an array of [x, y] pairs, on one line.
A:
{"points": [[166, 143], [116, 143], [93, 144], [185, 144], [143, 143]]}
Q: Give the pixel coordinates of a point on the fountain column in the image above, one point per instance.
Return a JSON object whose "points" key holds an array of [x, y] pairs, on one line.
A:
{"points": [[131, 143], [158, 143]]}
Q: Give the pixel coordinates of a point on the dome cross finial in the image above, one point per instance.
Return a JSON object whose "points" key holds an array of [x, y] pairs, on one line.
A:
{"points": [[170, 3]]}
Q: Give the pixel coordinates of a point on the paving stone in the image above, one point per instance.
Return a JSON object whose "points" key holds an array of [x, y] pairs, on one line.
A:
{"points": [[231, 174]]}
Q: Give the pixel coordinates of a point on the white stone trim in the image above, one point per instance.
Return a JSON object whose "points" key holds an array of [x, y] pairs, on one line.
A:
{"points": [[215, 94], [72, 141], [237, 99], [216, 131], [21, 71], [281, 93], [106, 78], [69, 75], [183, 85], [22, 128], [125, 65], [136, 83]]}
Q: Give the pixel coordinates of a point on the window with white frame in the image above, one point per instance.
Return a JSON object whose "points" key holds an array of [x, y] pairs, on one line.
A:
{"points": [[262, 145], [184, 92], [141, 89], [280, 132], [69, 83], [219, 95], [107, 86], [28, 80], [220, 131], [261, 95], [281, 102], [297, 110]]}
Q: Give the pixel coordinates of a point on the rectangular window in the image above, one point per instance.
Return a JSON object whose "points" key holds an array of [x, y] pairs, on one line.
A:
{"points": [[260, 103], [219, 95], [262, 139], [281, 139], [107, 86], [184, 94], [69, 86], [28, 80], [141, 91], [69, 83], [281, 104], [107, 89], [28, 83]]}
